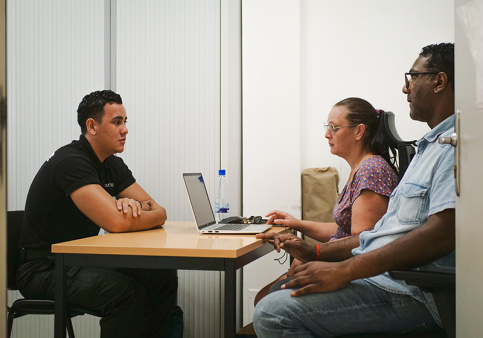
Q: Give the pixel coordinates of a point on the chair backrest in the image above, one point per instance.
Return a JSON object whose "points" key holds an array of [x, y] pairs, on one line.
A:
{"points": [[14, 226], [405, 149]]}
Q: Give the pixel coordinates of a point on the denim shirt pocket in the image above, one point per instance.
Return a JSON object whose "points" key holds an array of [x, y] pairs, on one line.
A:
{"points": [[413, 203]]}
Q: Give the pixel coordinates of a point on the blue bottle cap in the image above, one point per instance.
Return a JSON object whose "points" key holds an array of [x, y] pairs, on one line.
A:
{"points": [[221, 172]]}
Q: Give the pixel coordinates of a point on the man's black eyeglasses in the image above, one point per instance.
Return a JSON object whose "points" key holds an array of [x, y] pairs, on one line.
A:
{"points": [[411, 75]]}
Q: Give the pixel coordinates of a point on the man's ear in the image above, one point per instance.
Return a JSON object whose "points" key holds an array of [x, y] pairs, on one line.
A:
{"points": [[91, 126], [441, 82]]}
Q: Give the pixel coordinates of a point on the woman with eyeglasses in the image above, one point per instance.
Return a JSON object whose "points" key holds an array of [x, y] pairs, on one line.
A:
{"points": [[354, 131]]}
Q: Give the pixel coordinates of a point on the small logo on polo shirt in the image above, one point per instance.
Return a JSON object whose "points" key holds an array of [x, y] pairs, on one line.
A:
{"points": [[109, 185], [50, 156]]}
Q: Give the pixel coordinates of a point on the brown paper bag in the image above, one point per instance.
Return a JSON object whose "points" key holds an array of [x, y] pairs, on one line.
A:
{"points": [[319, 194]]}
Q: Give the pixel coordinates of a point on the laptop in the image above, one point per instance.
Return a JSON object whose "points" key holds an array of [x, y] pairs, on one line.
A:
{"points": [[203, 212]]}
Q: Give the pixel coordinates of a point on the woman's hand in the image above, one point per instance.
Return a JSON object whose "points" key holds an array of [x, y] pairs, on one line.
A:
{"points": [[281, 217]]}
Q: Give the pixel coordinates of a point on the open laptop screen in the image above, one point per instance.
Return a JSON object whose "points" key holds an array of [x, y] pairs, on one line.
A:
{"points": [[200, 202]]}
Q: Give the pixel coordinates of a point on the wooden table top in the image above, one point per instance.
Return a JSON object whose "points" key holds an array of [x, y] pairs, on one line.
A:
{"points": [[180, 239]]}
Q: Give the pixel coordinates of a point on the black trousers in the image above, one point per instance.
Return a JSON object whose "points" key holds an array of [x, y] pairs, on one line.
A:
{"points": [[132, 302]]}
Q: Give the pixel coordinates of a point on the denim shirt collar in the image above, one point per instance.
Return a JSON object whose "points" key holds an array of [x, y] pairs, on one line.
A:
{"points": [[434, 133]]}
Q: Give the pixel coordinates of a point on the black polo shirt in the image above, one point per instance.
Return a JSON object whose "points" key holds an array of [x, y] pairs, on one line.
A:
{"points": [[50, 214]]}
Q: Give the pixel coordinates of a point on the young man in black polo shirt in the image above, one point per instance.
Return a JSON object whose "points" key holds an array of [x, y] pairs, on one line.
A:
{"points": [[71, 197]]}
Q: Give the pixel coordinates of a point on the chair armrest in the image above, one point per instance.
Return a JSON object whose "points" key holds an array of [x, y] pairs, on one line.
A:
{"points": [[425, 279], [442, 285]]}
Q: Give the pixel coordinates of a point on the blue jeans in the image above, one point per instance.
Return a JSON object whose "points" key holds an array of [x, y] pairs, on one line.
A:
{"points": [[358, 308]]}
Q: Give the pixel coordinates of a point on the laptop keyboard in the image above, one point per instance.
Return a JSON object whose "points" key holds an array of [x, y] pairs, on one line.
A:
{"points": [[233, 227]]}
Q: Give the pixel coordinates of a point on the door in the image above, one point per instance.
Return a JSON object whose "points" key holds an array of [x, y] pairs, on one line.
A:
{"points": [[469, 213], [3, 173]]}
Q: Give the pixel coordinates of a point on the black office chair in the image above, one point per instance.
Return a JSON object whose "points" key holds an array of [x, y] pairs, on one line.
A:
{"points": [[22, 307], [404, 150]]}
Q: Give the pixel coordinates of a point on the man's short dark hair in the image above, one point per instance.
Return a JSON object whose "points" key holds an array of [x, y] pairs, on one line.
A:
{"points": [[92, 106], [440, 59]]}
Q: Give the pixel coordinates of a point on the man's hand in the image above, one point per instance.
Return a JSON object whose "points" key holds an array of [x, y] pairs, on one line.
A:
{"points": [[148, 205], [299, 249], [318, 277], [293, 266], [277, 239], [292, 244], [123, 205]]}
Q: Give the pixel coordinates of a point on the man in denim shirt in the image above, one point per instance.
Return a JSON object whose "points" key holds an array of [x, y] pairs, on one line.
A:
{"points": [[348, 290]]}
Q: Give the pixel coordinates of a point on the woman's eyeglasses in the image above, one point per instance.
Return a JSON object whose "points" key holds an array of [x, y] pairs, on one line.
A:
{"points": [[333, 129]]}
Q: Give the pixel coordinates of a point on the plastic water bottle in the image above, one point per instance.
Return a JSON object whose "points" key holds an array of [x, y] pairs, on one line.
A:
{"points": [[222, 206]]}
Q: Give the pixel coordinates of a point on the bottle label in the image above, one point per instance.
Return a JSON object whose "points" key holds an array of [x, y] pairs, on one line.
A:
{"points": [[222, 210]]}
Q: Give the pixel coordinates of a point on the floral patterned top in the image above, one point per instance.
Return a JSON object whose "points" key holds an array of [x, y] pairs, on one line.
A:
{"points": [[373, 174]]}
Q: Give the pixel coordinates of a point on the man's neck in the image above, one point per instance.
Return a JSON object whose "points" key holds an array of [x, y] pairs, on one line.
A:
{"points": [[440, 118], [97, 149], [443, 110]]}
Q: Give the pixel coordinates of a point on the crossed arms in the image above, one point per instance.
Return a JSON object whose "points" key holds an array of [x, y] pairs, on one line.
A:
{"points": [[122, 215]]}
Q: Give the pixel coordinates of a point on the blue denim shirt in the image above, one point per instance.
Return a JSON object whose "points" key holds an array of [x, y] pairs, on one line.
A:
{"points": [[426, 189]]}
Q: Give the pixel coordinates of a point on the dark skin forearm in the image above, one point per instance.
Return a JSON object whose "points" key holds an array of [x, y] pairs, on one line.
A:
{"points": [[431, 241], [334, 251]]}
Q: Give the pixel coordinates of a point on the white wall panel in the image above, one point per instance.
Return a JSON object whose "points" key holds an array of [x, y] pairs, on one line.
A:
{"points": [[55, 56], [55, 51], [271, 123], [168, 72]]}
